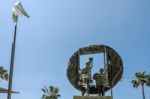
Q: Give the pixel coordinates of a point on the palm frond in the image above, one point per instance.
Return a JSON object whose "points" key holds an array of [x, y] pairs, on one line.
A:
{"points": [[148, 84], [50, 92], [135, 83], [43, 90], [3, 74], [140, 75]]}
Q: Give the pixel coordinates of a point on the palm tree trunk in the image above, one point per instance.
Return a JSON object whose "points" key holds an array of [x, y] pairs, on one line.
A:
{"points": [[143, 91]]}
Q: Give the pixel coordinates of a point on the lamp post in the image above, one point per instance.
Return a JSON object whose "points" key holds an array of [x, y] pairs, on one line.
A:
{"points": [[18, 10], [12, 63]]}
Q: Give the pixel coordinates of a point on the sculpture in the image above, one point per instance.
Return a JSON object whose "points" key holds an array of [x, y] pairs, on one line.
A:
{"points": [[113, 69], [85, 74], [100, 79]]}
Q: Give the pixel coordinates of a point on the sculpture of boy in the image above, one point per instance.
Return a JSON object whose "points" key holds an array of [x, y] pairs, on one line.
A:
{"points": [[85, 74], [100, 81]]}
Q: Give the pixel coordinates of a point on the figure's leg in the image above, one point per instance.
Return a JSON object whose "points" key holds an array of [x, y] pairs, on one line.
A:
{"points": [[100, 90], [87, 89], [98, 87], [103, 91], [82, 93]]}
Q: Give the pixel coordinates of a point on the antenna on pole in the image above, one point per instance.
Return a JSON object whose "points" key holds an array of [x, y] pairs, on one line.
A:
{"points": [[18, 10]]}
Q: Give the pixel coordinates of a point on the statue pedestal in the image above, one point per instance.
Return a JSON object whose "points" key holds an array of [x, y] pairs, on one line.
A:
{"points": [[92, 97]]}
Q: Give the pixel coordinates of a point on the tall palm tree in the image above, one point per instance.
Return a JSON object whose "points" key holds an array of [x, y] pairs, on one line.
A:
{"points": [[3, 74], [141, 79], [50, 92]]}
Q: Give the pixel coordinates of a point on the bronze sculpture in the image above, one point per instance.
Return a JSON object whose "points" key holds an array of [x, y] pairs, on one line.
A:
{"points": [[114, 68], [85, 75], [100, 79]]}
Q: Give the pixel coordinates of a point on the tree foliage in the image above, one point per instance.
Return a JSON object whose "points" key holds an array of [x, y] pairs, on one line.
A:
{"points": [[50, 92], [141, 79], [3, 74]]}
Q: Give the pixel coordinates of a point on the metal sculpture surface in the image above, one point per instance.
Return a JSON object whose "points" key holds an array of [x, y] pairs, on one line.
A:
{"points": [[78, 76]]}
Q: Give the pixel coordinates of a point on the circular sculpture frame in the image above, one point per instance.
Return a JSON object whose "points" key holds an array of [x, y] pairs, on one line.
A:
{"points": [[115, 70]]}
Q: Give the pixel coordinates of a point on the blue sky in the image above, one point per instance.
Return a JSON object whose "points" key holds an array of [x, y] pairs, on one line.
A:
{"points": [[57, 28]]}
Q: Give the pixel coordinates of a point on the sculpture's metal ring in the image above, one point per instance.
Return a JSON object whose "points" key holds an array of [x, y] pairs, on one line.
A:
{"points": [[115, 70]]}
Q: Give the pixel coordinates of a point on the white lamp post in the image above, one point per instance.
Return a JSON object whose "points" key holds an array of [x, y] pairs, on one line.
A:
{"points": [[18, 10]]}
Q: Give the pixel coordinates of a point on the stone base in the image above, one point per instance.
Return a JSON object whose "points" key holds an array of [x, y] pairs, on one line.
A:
{"points": [[92, 97]]}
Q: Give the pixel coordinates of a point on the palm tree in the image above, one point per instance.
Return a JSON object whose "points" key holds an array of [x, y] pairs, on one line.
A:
{"points": [[141, 79], [50, 92], [148, 80], [3, 74]]}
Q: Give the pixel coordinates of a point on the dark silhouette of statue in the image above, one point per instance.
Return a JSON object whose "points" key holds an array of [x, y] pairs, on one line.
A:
{"points": [[100, 79]]}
